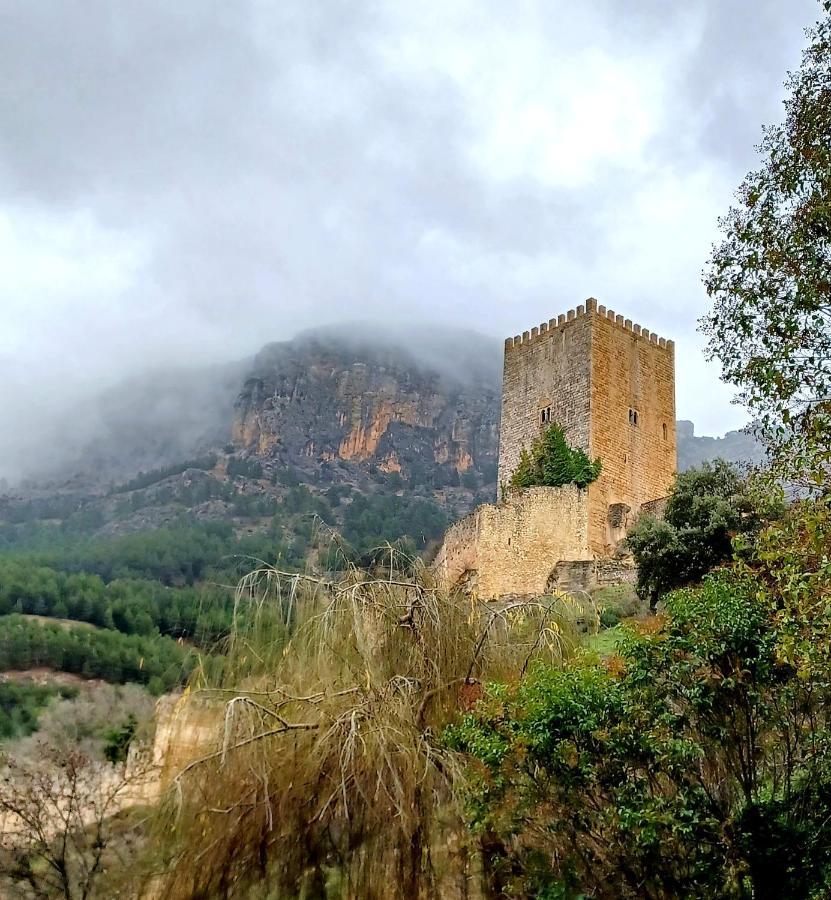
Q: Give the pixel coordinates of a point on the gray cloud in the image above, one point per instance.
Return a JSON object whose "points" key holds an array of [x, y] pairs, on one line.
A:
{"points": [[181, 183]]}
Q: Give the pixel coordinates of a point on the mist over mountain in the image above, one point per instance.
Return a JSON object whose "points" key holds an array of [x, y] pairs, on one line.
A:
{"points": [[165, 414], [403, 398]]}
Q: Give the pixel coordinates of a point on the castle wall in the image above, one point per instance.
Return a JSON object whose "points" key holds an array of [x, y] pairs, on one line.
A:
{"points": [[631, 369], [513, 547], [611, 386], [550, 366]]}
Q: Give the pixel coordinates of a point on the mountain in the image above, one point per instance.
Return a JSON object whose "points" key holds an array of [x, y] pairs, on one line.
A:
{"points": [[316, 403], [354, 431], [304, 427], [736, 446]]}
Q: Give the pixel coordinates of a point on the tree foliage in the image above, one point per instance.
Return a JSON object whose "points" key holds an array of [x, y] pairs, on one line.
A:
{"points": [[21, 704], [129, 605], [698, 764], [551, 462], [370, 521], [63, 835], [159, 662], [770, 277], [707, 509], [145, 479], [324, 768]]}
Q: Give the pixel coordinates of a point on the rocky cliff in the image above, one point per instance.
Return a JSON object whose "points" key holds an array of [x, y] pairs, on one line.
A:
{"points": [[416, 412], [738, 447], [314, 403]]}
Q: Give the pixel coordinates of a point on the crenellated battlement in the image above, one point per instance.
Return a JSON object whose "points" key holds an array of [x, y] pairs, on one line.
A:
{"points": [[590, 308], [609, 384]]}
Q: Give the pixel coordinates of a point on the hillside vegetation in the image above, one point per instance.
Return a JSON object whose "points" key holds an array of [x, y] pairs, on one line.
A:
{"points": [[364, 736]]}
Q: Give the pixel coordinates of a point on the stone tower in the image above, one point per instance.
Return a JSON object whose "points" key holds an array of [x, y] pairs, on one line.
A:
{"points": [[611, 385]]}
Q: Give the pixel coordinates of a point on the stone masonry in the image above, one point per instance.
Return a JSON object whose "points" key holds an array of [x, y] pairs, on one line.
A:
{"points": [[611, 385], [512, 547]]}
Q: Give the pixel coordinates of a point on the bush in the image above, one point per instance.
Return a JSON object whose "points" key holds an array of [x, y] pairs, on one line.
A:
{"points": [[698, 765], [21, 704], [616, 603], [708, 508], [341, 746], [551, 462]]}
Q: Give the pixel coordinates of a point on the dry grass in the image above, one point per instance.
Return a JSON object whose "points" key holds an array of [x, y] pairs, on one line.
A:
{"points": [[328, 776]]}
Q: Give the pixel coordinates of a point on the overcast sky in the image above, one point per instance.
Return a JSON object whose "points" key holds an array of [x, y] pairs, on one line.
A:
{"points": [[185, 181]]}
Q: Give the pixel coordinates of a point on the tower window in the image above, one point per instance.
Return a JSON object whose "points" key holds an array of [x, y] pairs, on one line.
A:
{"points": [[633, 417], [664, 429], [545, 415]]}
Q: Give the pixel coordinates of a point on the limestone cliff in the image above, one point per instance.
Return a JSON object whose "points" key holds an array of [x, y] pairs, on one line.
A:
{"points": [[313, 402]]}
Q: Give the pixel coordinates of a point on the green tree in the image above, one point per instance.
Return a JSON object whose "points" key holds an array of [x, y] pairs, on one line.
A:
{"points": [[699, 765], [117, 740], [770, 277], [708, 507], [525, 474], [551, 462]]}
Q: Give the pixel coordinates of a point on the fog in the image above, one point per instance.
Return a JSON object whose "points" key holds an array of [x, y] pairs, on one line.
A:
{"points": [[181, 184]]}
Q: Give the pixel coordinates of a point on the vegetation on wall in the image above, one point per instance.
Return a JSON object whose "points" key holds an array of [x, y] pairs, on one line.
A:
{"points": [[551, 462]]}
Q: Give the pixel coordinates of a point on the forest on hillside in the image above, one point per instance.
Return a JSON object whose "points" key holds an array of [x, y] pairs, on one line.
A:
{"points": [[360, 734]]}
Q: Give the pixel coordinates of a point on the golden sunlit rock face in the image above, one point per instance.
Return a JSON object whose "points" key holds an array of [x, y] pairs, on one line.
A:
{"points": [[364, 437], [325, 407]]}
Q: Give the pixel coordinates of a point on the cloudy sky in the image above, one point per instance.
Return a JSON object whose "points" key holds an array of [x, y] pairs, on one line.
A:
{"points": [[184, 181]]}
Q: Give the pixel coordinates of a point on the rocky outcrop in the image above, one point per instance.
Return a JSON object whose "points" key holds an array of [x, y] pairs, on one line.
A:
{"points": [[311, 402], [736, 446]]}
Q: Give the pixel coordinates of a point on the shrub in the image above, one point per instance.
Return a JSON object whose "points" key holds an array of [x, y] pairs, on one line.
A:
{"points": [[328, 724], [699, 766], [617, 602], [551, 462], [708, 507]]}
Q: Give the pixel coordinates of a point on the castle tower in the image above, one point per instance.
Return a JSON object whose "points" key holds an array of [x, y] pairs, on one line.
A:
{"points": [[611, 386]]}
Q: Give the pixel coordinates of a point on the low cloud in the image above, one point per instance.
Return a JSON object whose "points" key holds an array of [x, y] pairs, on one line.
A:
{"points": [[182, 183]]}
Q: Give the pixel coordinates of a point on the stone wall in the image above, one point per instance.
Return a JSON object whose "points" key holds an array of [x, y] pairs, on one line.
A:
{"points": [[656, 508], [546, 368], [632, 421], [514, 546], [586, 575]]}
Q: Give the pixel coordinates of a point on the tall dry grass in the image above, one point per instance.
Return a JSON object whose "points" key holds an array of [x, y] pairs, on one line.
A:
{"points": [[327, 776]]}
